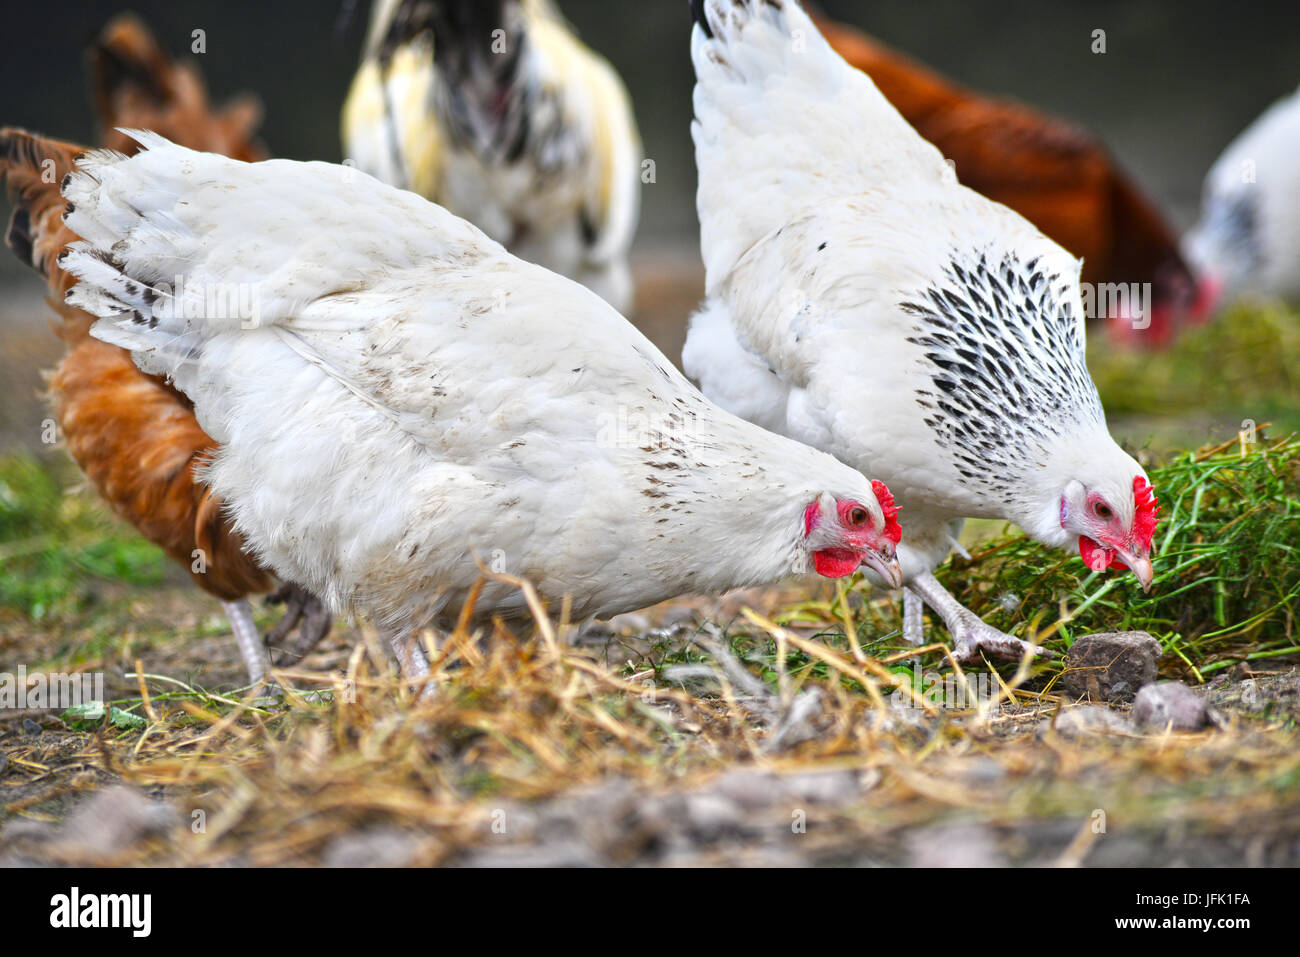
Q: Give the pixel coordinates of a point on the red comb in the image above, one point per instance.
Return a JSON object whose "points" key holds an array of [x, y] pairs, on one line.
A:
{"points": [[1148, 510], [886, 499]]}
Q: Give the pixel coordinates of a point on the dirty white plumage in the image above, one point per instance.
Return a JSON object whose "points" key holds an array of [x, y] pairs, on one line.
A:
{"points": [[512, 123], [1247, 241], [860, 300], [395, 395]]}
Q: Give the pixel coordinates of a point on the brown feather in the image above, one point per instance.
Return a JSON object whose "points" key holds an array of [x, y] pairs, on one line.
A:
{"points": [[34, 167], [140, 447], [133, 435]]}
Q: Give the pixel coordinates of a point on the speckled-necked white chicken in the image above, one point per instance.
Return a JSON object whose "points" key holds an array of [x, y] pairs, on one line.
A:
{"points": [[861, 301], [396, 396], [495, 110], [1247, 242]]}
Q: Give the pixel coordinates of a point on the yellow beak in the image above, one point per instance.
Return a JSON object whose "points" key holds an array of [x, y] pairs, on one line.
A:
{"points": [[885, 564]]}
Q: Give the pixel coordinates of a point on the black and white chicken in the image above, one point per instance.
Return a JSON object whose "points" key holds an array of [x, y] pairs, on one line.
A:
{"points": [[495, 110], [862, 301]]}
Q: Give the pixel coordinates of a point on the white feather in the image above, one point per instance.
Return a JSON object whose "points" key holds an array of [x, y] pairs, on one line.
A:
{"points": [[1248, 237], [411, 396], [822, 214]]}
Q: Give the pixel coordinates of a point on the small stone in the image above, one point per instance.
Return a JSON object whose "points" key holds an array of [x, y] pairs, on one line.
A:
{"points": [[752, 789], [1098, 665], [1251, 699], [115, 819], [1171, 703], [30, 726], [555, 855], [376, 847], [749, 788], [712, 815], [955, 845], [1088, 719], [821, 787]]}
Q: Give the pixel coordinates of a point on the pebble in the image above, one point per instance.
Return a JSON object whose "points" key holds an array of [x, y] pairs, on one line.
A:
{"points": [[1110, 665], [1088, 719], [955, 845], [375, 847], [1171, 702], [114, 819]]}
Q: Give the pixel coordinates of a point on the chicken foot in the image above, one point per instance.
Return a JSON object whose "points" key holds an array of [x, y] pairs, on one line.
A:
{"points": [[412, 662], [970, 634], [303, 611]]}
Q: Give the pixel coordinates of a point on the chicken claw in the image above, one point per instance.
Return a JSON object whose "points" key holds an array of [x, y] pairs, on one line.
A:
{"points": [[303, 611]]}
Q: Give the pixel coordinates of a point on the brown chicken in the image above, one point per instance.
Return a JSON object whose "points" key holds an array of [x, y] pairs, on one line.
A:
{"points": [[1054, 174], [135, 437]]}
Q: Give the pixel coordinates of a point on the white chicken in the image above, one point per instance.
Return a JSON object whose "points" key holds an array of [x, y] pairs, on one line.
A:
{"points": [[396, 396], [861, 301], [495, 110], [1247, 242]]}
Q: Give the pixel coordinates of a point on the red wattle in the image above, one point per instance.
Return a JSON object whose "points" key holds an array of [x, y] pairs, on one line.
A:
{"points": [[1097, 557], [1208, 292], [836, 562]]}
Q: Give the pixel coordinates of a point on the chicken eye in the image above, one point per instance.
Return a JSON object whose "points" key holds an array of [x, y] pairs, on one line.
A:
{"points": [[1102, 511], [858, 516]]}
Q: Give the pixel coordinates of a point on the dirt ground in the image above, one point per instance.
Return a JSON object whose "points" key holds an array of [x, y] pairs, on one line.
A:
{"points": [[736, 779]]}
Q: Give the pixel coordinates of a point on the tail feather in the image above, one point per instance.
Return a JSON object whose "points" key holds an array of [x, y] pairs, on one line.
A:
{"points": [[33, 167], [133, 435], [130, 246], [782, 124], [700, 17]]}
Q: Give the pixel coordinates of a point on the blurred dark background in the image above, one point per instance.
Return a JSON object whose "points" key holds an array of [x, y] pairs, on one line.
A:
{"points": [[1178, 80]]}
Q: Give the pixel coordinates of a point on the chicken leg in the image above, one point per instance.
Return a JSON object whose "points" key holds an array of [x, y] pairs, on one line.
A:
{"points": [[913, 622], [412, 661], [256, 658], [970, 634]]}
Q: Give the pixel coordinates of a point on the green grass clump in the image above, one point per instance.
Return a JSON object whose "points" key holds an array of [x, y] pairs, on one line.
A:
{"points": [[1243, 365], [1227, 587], [56, 548], [1227, 559]]}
